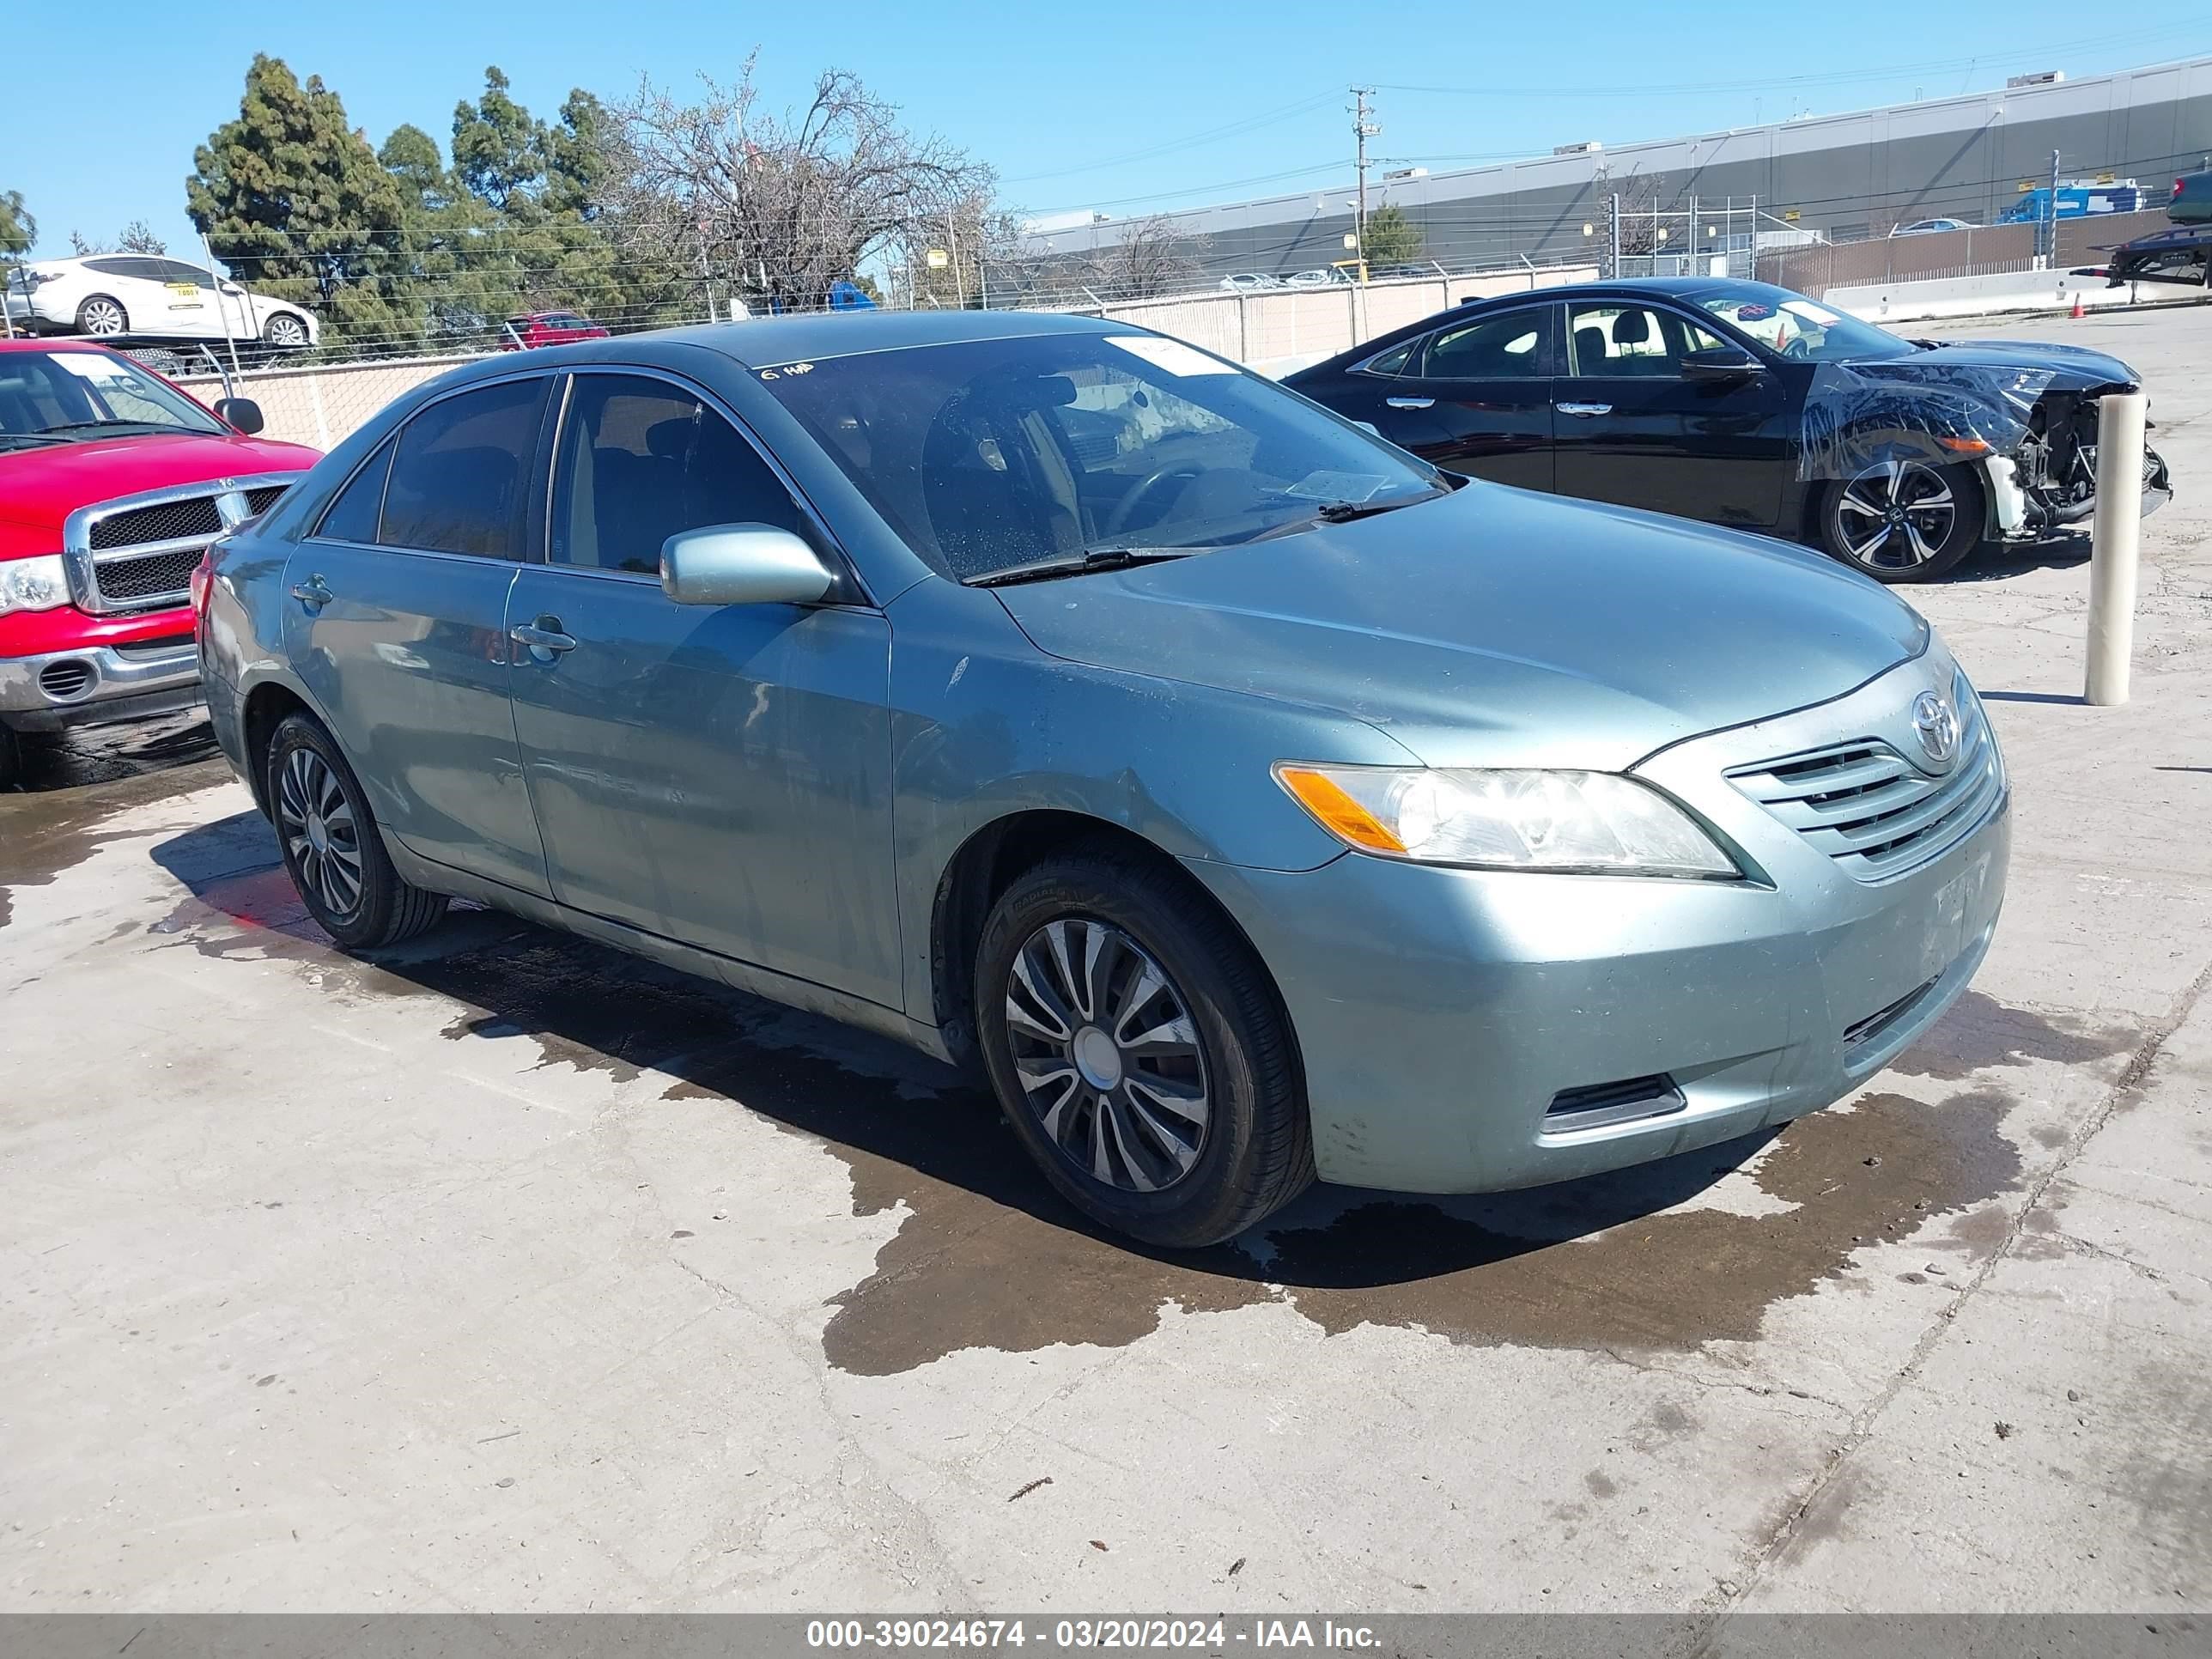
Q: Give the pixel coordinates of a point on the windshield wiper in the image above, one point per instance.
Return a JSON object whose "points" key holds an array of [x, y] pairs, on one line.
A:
{"points": [[117, 426], [1081, 564], [1345, 512], [29, 438]]}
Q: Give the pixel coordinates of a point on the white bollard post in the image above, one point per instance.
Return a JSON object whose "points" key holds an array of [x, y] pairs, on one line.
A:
{"points": [[2115, 539]]}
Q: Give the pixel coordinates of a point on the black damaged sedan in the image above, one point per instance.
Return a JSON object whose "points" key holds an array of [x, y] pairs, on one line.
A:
{"points": [[1751, 406]]}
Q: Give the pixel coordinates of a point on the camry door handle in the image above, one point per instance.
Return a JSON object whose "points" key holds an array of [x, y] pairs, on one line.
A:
{"points": [[1411, 402], [1583, 409], [544, 637], [313, 592]]}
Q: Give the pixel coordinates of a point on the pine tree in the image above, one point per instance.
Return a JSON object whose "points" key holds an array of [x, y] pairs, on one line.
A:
{"points": [[1393, 239], [294, 201]]}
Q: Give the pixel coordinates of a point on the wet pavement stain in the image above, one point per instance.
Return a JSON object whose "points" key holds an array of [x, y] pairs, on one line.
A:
{"points": [[1979, 1031], [56, 819], [987, 1256]]}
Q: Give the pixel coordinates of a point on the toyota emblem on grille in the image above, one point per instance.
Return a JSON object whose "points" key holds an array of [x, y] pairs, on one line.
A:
{"points": [[1937, 723]]}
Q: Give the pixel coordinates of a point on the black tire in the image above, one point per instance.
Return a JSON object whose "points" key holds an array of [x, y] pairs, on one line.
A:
{"points": [[94, 315], [1254, 1151], [360, 901], [1853, 528]]}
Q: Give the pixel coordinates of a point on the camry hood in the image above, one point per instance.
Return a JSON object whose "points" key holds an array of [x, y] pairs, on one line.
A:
{"points": [[41, 487], [1495, 627], [2072, 368]]}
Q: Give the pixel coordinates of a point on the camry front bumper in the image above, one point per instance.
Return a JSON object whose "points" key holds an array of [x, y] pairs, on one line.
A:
{"points": [[1469, 1030]]}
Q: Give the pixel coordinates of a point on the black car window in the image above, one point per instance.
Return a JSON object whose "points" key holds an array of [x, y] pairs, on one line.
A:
{"points": [[175, 270], [1506, 346], [352, 517], [641, 460], [116, 267], [1393, 362], [1619, 342], [458, 476]]}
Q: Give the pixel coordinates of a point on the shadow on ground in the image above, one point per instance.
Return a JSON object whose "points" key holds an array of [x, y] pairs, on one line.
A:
{"points": [[1997, 563], [1678, 1253]]}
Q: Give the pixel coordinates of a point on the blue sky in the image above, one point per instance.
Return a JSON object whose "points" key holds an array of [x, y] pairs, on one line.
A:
{"points": [[1128, 108]]}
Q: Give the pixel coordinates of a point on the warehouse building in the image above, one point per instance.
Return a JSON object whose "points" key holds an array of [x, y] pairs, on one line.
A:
{"points": [[1839, 177]]}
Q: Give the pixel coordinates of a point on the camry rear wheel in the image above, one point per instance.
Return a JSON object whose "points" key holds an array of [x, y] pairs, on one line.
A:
{"points": [[331, 846], [102, 317], [1903, 521], [1139, 1052]]}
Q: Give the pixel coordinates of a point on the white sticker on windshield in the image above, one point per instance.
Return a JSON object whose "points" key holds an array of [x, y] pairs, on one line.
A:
{"points": [[1819, 316], [93, 366], [1338, 486], [1172, 356]]}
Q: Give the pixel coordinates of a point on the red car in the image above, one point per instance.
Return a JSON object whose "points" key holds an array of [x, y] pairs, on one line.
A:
{"points": [[544, 328], [112, 483]]}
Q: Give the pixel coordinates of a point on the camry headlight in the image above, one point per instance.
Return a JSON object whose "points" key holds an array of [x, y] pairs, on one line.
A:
{"points": [[1592, 823], [39, 584]]}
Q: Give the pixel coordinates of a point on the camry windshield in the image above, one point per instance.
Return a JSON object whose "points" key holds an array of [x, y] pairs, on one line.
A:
{"points": [[58, 397], [1802, 330], [1049, 453]]}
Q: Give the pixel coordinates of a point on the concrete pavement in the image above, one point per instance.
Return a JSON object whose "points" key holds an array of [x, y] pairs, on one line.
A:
{"points": [[508, 1273]]}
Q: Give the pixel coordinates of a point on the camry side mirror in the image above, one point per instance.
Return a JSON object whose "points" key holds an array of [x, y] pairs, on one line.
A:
{"points": [[1721, 363], [241, 412], [742, 564]]}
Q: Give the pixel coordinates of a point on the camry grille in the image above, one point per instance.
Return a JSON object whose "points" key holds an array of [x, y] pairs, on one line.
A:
{"points": [[1873, 812]]}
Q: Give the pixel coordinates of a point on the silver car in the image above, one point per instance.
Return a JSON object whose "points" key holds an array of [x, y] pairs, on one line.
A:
{"points": [[1250, 800]]}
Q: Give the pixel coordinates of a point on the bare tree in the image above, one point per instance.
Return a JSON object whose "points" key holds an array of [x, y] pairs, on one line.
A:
{"points": [[775, 207], [1151, 258]]}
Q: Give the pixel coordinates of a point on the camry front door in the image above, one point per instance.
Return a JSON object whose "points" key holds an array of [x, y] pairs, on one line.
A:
{"points": [[718, 775]]}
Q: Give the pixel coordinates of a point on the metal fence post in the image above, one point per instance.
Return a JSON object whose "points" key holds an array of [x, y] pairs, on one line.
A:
{"points": [[2115, 540]]}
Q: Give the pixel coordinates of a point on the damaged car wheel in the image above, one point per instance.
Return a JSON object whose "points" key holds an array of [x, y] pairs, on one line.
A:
{"points": [[1903, 520]]}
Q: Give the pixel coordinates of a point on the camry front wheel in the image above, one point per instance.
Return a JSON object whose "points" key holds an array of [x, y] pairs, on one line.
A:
{"points": [[1139, 1051]]}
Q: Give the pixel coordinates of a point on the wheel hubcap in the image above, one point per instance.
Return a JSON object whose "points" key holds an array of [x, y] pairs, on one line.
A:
{"points": [[322, 838], [1896, 515], [1108, 1057]]}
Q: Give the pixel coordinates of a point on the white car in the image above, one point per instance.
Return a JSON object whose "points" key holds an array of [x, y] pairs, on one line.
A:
{"points": [[1246, 282], [146, 296]]}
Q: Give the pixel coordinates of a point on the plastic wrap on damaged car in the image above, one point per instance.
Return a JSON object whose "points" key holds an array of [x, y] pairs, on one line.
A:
{"points": [[1862, 415]]}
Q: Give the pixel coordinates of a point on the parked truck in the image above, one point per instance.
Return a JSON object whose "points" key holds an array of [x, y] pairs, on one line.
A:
{"points": [[112, 484]]}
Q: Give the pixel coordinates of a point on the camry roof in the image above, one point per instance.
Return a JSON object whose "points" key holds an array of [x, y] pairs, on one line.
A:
{"points": [[761, 341]]}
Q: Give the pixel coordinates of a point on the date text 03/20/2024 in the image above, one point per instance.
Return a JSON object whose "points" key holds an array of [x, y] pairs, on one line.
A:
{"points": [[1214, 1634]]}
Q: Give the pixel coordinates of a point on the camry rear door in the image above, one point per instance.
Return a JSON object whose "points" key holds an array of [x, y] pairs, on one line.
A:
{"points": [[393, 620]]}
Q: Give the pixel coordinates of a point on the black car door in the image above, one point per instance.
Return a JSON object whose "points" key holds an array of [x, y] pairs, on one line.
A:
{"points": [[1632, 428], [1484, 407]]}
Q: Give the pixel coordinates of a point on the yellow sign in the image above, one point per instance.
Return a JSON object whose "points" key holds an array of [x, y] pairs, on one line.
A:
{"points": [[937, 258], [1791, 215], [2025, 185]]}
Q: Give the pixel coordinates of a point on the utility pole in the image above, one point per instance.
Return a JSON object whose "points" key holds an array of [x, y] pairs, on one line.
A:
{"points": [[1362, 130]]}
